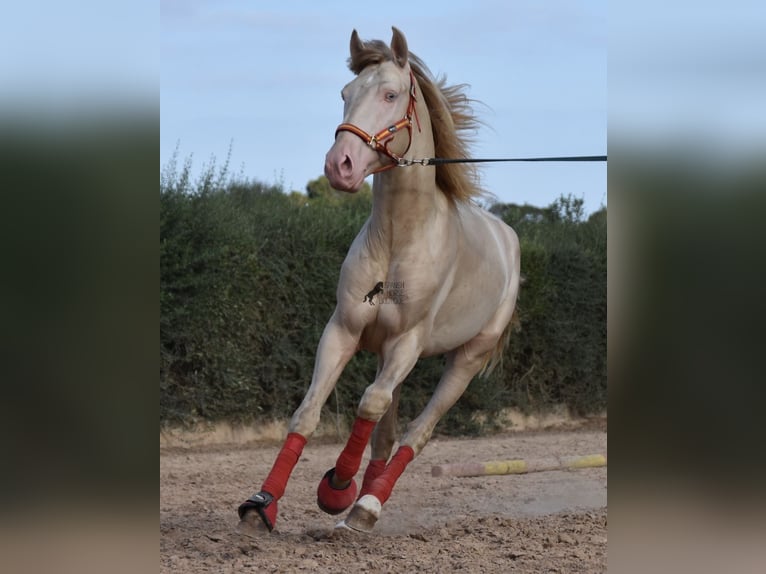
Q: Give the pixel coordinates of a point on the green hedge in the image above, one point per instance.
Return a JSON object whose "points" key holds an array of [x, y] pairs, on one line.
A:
{"points": [[247, 282]]}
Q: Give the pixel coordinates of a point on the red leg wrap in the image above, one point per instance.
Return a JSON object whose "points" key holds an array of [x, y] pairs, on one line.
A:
{"points": [[286, 460], [351, 457], [374, 469], [335, 500], [382, 486]]}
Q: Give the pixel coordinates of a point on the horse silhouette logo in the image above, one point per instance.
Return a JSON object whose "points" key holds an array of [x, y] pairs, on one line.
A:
{"points": [[375, 290]]}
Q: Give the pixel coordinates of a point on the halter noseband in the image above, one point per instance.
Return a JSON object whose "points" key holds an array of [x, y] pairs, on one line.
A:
{"points": [[379, 142]]}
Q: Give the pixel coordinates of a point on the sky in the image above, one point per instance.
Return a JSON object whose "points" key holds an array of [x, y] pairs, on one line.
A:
{"points": [[693, 79], [264, 79]]}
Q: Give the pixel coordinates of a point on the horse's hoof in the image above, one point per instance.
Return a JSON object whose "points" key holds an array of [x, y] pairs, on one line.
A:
{"points": [[251, 525], [343, 529], [364, 515], [334, 500], [257, 513]]}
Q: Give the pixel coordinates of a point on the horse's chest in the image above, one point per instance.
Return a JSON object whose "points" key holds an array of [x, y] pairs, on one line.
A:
{"points": [[391, 319]]}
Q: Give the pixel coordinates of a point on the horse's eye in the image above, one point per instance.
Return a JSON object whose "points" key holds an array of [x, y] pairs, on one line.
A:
{"points": [[390, 96]]}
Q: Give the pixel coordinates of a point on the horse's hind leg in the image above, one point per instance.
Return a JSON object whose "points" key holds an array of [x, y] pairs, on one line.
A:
{"points": [[462, 366], [460, 372], [382, 443]]}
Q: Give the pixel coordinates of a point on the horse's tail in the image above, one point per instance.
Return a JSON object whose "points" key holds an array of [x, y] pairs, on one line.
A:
{"points": [[495, 356]]}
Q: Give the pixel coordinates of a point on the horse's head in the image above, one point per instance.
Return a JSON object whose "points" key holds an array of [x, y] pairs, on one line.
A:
{"points": [[379, 105]]}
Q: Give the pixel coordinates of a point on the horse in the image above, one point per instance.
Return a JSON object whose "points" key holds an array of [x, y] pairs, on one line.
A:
{"points": [[456, 267]]}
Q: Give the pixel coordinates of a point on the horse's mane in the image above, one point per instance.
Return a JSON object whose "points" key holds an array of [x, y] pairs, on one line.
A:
{"points": [[452, 120]]}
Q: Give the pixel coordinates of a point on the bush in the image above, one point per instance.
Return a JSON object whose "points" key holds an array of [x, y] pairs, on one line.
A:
{"points": [[558, 356], [247, 283]]}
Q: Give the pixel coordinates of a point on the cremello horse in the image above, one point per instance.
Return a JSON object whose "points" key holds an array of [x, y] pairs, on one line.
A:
{"points": [[454, 269]]}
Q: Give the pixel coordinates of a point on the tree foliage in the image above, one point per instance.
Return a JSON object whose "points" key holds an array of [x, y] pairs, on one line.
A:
{"points": [[320, 189]]}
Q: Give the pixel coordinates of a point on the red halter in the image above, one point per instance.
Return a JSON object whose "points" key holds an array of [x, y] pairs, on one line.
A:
{"points": [[379, 142]]}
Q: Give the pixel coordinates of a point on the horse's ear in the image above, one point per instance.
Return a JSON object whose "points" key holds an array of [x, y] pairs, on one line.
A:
{"points": [[356, 47], [399, 47]]}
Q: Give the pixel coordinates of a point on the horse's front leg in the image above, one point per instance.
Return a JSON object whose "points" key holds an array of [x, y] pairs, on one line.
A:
{"points": [[337, 490], [462, 365], [336, 346]]}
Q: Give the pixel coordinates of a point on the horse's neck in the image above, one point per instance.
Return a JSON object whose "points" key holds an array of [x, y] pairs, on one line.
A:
{"points": [[405, 204], [406, 200]]}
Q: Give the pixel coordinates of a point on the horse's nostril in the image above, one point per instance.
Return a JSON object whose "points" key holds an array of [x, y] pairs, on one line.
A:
{"points": [[347, 165]]}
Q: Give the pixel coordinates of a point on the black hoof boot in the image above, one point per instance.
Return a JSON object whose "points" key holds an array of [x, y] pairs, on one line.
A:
{"points": [[264, 504]]}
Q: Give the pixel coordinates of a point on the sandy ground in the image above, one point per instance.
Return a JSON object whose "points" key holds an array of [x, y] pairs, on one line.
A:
{"points": [[553, 521]]}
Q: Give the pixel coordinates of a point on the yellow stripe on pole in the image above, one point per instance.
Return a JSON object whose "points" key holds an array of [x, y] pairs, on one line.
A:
{"points": [[505, 467], [499, 467], [588, 461]]}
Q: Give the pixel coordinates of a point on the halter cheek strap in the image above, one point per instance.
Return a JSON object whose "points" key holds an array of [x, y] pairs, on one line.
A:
{"points": [[379, 142]]}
